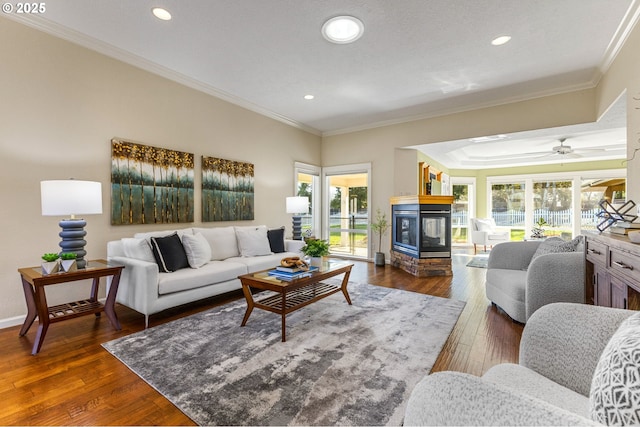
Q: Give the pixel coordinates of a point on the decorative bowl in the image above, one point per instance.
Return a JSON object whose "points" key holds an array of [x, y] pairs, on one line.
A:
{"points": [[634, 236]]}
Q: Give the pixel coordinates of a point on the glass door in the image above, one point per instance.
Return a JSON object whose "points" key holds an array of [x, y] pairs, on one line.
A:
{"points": [[347, 210], [462, 209]]}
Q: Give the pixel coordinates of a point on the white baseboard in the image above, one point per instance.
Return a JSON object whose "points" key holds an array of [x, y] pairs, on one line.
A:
{"points": [[12, 321]]}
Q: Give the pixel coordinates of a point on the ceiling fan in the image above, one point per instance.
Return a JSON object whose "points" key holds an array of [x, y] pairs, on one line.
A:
{"points": [[564, 149]]}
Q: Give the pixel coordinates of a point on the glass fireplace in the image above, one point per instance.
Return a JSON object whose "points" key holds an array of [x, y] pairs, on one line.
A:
{"points": [[422, 231]]}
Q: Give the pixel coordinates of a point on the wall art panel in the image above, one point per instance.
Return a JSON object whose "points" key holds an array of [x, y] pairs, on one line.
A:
{"points": [[150, 185], [227, 190]]}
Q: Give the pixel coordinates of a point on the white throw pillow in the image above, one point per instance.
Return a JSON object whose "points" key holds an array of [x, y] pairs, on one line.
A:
{"points": [[197, 249], [137, 249], [253, 241], [222, 241]]}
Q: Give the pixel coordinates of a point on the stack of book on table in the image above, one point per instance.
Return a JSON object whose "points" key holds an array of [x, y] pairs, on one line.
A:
{"points": [[624, 227], [290, 273]]}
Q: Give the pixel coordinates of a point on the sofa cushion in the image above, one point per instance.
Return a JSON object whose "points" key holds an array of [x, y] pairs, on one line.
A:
{"points": [[222, 241], [169, 253], [276, 239], [210, 274], [197, 249], [258, 263], [138, 249], [615, 390], [150, 234], [253, 241]]}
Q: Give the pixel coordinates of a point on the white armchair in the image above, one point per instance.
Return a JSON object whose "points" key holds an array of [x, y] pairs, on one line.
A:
{"points": [[483, 232]]}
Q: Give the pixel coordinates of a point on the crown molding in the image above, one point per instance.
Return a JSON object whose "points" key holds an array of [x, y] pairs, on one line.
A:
{"points": [[462, 109], [111, 51], [620, 37]]}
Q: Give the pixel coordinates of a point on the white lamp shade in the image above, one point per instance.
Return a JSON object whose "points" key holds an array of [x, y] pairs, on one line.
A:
{"points": [[297, 204], [70, 197]]}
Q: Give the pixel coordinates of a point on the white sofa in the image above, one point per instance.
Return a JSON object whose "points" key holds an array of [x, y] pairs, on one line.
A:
{"points": [[147, 290]]}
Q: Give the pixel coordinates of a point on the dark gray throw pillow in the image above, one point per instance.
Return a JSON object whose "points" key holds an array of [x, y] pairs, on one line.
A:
{"points": [[276, 239], [169, 253]]}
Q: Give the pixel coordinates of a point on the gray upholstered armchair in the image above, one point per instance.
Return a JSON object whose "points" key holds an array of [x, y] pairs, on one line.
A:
{"points": [[576, 368], [520, 283]]}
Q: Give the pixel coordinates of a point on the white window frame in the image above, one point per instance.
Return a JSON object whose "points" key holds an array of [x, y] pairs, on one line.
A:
{"points": [[576, 178], [473, 190], [316, 202], [345, 170]]}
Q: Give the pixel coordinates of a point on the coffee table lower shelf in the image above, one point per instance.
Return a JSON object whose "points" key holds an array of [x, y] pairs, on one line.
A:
{"points": [[297, 298], [294, 295]]}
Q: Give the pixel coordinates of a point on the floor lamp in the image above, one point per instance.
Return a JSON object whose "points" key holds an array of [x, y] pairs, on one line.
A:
{"points": [[297, 205], [71, 197]]}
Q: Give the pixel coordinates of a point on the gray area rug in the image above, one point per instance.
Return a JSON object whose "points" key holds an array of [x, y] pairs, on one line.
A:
{"points": [[341, 364], [479, 261]]}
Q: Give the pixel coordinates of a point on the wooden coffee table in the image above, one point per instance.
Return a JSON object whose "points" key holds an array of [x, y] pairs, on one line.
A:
{"points": [[295, 294]]}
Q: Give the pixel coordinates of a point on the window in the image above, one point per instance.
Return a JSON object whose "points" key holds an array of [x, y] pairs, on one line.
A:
{"points": [[508, 206], [462, 209], [308, 185], [568, 202]]}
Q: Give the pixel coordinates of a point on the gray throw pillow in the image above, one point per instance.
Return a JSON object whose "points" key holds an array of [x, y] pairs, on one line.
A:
{"points": [[554, 245], [615, 390]]}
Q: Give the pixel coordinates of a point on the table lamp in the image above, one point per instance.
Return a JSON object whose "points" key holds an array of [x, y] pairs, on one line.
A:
{"points": [[297, 205], [71, 197]]}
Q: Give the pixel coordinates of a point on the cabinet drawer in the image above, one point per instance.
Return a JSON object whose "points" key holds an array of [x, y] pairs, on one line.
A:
{"points": [[597, 252], [624, 263]]}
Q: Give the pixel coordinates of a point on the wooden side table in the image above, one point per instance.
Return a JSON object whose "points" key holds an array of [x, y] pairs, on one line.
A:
{"points": [[34, 282]]}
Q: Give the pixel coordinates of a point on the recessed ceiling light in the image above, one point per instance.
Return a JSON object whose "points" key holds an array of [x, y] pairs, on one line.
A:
{"points": [[498, 41], [488, 138], [161, 13], [343, 29], [309, 97]]}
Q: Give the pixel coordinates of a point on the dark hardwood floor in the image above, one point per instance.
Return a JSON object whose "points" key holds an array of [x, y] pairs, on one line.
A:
{"points": [[74, 381]]}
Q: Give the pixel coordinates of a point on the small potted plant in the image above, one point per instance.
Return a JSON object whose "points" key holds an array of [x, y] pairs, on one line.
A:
{"points": [[315, 249], [51, 263], [380, 227], [538, 230], [68, 261]]}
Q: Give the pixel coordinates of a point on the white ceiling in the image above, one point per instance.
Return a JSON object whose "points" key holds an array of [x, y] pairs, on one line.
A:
{"points": [[417, 58]]}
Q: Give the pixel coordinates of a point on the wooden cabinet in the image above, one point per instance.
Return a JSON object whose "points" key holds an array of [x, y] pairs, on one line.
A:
{"points": [[612, 276], [428, 176]]}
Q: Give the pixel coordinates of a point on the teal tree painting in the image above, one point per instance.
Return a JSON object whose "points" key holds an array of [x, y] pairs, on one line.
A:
{"points": [[227, 190], [150, 185]]}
